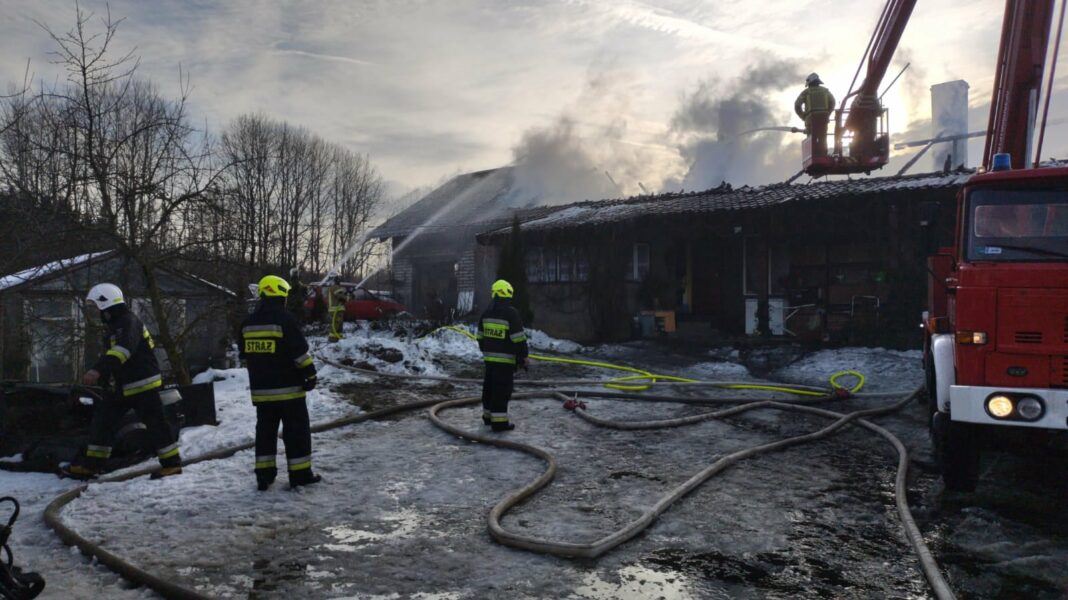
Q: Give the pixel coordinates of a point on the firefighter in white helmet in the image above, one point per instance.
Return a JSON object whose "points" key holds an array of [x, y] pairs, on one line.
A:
{"points": [[128, 359]]}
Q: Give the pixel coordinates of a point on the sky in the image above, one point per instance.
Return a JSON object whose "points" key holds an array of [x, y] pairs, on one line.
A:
{"points": [[630, 95]]}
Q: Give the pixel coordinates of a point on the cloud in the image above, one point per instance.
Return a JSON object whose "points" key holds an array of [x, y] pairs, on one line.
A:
{"points": [[430, 88]]}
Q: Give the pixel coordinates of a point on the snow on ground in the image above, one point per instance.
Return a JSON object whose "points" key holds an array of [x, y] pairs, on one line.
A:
{"points": [[437, 353], [885, 370], [401, 513]]}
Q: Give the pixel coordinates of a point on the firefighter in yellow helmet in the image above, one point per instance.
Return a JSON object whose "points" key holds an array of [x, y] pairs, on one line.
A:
{"points": [[280, 373], [504, 349], [814, 106], [336, 297]]}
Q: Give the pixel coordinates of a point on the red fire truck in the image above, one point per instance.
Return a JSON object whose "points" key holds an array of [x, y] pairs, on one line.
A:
{"points": [[996, 328], [996, 349], [997, 323]]}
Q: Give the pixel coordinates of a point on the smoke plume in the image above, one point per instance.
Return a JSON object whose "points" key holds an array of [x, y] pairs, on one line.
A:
{"points": [[586, 153], [712, 129]]}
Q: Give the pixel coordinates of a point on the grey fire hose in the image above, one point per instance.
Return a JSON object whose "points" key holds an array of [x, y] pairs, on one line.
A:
{"points": [[599, 547], [170, 589]]}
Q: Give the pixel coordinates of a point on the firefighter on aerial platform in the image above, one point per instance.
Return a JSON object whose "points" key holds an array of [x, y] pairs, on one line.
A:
{"points": [[336, 298], [130, 361], [280, 373], [504, 349], [814, 106]]}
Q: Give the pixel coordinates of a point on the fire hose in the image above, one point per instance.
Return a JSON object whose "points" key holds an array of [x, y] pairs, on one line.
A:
{"points": [[598, 547]]}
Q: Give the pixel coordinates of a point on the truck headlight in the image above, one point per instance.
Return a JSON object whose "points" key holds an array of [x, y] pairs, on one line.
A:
{"points": [[999, 406], [1029, 408]]}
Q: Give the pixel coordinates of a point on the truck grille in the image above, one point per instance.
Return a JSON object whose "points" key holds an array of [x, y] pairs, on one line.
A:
{"points": [[1066, 329], [1028, 337], [1061, 379]]}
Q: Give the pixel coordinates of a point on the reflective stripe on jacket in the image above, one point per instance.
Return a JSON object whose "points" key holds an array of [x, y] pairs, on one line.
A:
{"points": [[129, 356], [500, 334], [814, 99], [275, 352]]}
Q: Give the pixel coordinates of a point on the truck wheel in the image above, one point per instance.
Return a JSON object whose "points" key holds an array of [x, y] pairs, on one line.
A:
{"points": [[957, 451]]}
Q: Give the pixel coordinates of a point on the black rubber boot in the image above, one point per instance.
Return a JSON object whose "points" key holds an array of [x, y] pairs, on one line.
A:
{"points": [[303, 477], [486, 417], [79, 471], [264, 478], [506, 426], [167, 472]]}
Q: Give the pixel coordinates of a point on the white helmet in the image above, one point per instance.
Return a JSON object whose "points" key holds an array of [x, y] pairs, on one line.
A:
{"points": [[105, 295], [812, 79]]}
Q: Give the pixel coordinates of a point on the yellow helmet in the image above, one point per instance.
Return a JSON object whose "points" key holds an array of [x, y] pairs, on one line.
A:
{"points": [[502, 289], [274, 286]]}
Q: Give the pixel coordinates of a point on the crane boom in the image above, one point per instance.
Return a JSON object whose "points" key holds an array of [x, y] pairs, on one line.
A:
{"points": [[861, 143], [883, 44], [1018, 79]]}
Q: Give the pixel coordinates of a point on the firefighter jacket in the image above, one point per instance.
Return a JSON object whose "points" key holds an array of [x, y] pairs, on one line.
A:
{"points": [[276, 353], [129, 357], [815, 99], [500, 334], [336, 297], [295, 299]]}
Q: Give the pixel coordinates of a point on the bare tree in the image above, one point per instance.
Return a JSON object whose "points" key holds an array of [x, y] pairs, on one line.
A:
{"points": [[109, 147], [297, 200]]}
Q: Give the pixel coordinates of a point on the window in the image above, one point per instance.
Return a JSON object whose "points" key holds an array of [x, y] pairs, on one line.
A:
{"points": [[638, 262], [548, 259], [582, 266], [566, 264], [535, 272], [55, 329], [1017, 225]]}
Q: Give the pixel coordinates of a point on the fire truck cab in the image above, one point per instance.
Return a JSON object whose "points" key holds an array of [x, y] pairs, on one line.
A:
{"points": [[996, 344]]}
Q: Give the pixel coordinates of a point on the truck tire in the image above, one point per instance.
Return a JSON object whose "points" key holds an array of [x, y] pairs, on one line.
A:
{"points": [[957, 451]]}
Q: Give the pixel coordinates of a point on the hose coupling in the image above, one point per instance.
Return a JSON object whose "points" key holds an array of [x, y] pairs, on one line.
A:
{"points": [[574, 404]]}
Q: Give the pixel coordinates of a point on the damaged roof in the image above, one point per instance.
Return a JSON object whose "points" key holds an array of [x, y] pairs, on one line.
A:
{"points": [[726, 198], [483, 200]]}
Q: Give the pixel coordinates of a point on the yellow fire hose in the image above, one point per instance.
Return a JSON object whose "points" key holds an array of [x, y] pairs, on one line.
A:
{"points": [[643, 375]]}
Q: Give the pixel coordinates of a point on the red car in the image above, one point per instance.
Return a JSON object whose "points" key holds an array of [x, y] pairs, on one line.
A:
{"points": [[361, 305]]}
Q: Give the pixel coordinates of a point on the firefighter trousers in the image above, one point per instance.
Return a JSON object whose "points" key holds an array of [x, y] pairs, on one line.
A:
{"points": [[497, 391], [337, 324], [107, 414], [296, 434], [816, 124]]}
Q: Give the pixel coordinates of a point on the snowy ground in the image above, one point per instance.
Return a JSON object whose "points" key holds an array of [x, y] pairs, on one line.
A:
{"points": [[401, 513]]}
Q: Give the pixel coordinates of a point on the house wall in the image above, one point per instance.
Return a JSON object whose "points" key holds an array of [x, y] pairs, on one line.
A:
{"points": [[445, 267], [843, 269], [205, 336]]}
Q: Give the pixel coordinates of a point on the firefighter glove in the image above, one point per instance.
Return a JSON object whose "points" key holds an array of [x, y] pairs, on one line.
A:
{"points": [[309, 383]]}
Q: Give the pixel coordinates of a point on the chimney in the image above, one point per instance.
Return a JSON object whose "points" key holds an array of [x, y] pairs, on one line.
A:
{"points": [[949, 116]]}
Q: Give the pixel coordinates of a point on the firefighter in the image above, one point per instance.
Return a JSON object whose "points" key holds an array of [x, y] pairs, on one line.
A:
{"points": [[335, 299], [280, 373], [814, 106], [504, 350], [130, 361], [295, 299]]}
